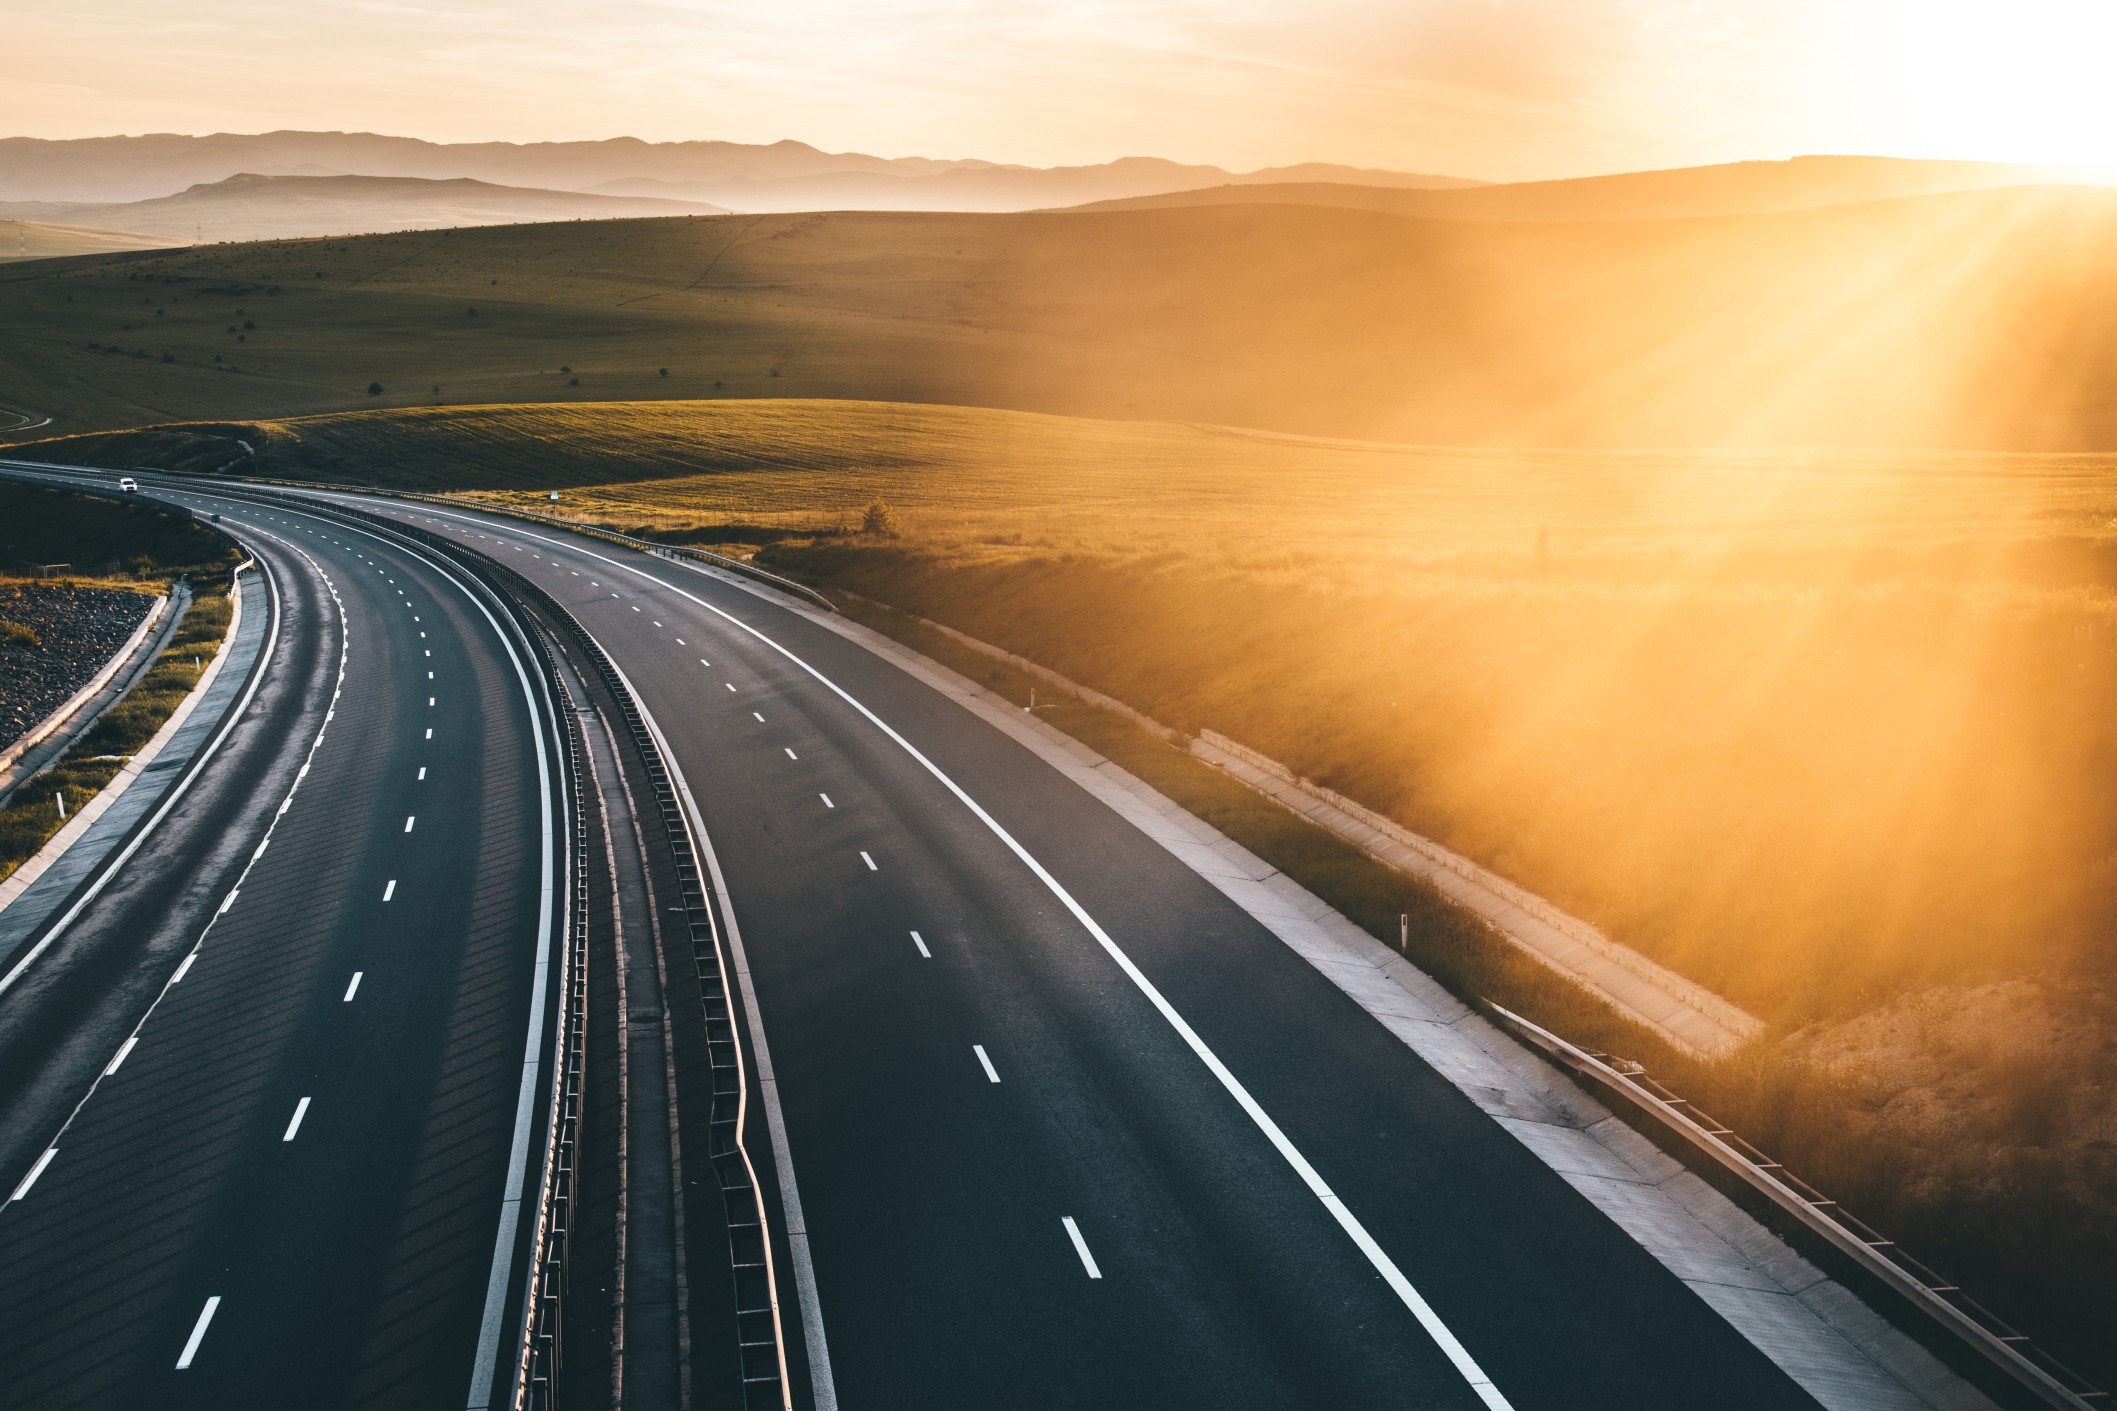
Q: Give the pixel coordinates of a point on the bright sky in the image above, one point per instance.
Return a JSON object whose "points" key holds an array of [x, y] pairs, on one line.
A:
{"points": [[1504, 89]]}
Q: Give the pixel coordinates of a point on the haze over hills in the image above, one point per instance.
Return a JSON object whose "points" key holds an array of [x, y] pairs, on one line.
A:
{"points": [[248, 206], [1734, 188], [34, 240], [1975, 320], [776, 176]]}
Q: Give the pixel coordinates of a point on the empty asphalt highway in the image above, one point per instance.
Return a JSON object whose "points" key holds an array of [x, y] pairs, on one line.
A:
{"points": [[1057, 1124], [259, 1102]]}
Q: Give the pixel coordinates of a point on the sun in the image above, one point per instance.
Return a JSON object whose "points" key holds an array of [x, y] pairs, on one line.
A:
{"points": [[2019, 80]]}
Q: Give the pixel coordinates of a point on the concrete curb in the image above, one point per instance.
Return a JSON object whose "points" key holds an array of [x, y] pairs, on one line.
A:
{"points": [[40, 886]]}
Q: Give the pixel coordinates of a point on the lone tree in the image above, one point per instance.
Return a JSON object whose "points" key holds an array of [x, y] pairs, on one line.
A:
{"points": [[374, 389], [879, 520]]}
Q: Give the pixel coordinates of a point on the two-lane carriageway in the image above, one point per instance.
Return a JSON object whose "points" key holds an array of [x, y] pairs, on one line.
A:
{"points": [[263, 1158]]}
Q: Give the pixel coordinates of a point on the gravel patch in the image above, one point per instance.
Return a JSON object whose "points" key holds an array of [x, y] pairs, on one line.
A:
{"points": [[81, 628]]}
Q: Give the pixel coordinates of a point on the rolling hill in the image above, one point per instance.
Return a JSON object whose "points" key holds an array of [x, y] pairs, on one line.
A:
{"points": [[778, 176], [1735, 188], [248, 206], [1972, 320]]}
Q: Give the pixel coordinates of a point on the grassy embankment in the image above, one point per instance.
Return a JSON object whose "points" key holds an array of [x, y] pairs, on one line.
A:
{"points": [[1991, 312], [1825, 731], [119, 546]]}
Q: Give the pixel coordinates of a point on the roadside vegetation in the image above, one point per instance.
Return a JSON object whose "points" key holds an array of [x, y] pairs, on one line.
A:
{"points": [[1826, 731], [120, 546]]}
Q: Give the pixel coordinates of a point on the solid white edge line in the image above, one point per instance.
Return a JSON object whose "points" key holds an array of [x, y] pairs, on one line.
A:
{"points": [[124, 1051], [823, 1391], [1080, 1246], [34, 1172], [184, 968], [1459, 1356], [991, 1073], [259, 669], [301, 1110], [198, 1333]]}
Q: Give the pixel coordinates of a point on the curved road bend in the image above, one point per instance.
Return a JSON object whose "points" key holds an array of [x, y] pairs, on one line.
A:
{"points": [[1021, 1184], [288, 1177]]}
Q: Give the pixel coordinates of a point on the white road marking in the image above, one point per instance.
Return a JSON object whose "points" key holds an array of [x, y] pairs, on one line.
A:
{"points": [[124, 1049], [390, 888], [422, 771], [729, 684], [703, 662], [184, 967], [286, 803], [429, 675], [1450, 1346], [430, 702], [198, 1332], [635, 606], [679, 641], [349, 989], [260, 850], [229, 902], [984, 1062], [870, 862], [408, 821], [429, 732], [34, 1172], [920, 941], [1080, 1246], [301, 1110], [826, 800], [754, 714], [792, 755]]}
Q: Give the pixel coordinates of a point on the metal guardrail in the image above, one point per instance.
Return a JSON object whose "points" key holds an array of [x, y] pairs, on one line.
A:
{"points": [[765, 1385], [2008, 1352]]}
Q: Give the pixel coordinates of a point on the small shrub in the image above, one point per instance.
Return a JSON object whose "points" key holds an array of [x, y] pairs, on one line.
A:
{"points": [[573, 382], [374, 389], [879, 520], [16, 634], [665, 372]]}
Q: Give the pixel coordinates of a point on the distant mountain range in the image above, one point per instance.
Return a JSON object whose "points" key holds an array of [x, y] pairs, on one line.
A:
{"points": [[1735, 188], [780, 176], [248, 206]]}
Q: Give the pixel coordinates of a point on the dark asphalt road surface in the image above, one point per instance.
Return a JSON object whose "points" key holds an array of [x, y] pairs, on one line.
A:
{"points": [[935, 1200], [323, 1164]]}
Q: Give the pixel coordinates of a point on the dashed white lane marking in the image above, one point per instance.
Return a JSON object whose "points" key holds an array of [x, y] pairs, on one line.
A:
{"points": [[301, 1110], [353, 987], [826, 800], [703, 662], [198, 1333], [429, 675], [408, 821], [792, 755], [260, 850], [758, 718], [389, 888], [286, 803], [1080, 1247], [34, 1172], [422, 771], [229, 902], [124, 1050], [430, 702], [181, 969], [986, 1063], [429, 732], [729, 684], [635, 606], [870, 862], [679, 641], [920, 941]]}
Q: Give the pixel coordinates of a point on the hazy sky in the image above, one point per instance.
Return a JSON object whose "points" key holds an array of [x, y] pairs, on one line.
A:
{"points": [[1492, 88]]}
